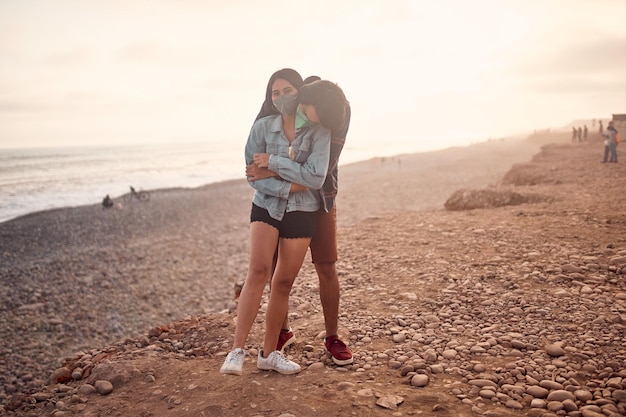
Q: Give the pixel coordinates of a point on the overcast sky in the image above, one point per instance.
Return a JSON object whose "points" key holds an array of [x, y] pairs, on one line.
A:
{"points": [[75, 72]]}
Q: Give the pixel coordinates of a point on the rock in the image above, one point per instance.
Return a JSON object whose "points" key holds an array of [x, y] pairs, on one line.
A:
{"points": [[483, 383], [449, 354], [103, 387], [560, 395], [86, 389], [516, 405], [419, 380], [537, 403], [60, 375], [619, 395], [77, 374], [390, 402], [537, 392], [554, 350]]}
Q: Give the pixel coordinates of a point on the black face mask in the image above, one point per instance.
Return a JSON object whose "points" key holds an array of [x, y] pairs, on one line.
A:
{"points": [[286, 104]]}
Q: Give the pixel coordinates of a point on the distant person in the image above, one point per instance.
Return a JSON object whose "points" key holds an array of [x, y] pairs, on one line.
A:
{"points": [[610, 143], [585, 132], [107, 202], [601, 129], [574, 133], [580, 134]]}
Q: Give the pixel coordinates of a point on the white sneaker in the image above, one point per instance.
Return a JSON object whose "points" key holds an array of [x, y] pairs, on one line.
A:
{"points": [[277, 362], [233, 364]]}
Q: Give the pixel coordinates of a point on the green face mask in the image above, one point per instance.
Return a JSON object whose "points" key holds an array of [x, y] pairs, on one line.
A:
{"points": [[302, 120]]}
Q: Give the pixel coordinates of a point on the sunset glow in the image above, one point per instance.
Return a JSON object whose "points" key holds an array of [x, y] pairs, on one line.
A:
{"points": [[87, 73]]}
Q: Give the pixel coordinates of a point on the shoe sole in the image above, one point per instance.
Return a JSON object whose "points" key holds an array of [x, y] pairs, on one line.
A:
{"points": [[342, 362], [230, 372], [289, 342], [282, 371]]}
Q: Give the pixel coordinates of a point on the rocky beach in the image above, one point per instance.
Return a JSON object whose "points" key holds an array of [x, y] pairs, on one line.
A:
{"points": [[487, 280]]}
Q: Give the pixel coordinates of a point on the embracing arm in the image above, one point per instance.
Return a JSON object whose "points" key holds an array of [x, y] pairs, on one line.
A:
{"points": [[256, 144], [255, 173], [310, 173]]}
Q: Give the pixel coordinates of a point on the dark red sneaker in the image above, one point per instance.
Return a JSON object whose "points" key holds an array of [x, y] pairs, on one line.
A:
{"points": [[338, 350], [285, 338]]}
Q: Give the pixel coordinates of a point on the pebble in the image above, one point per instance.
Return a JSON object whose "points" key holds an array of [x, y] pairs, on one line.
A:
{"points": [[86, 389], [554, 350], [560, 395], [537, 391], [103, 387], [419, 380]]}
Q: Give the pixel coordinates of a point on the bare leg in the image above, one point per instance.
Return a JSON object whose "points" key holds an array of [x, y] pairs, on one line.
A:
{"points": [[291, 254], [329, 295], [263, 238], [286, 321]]}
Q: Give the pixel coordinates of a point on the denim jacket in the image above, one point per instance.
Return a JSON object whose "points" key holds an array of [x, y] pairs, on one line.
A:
{"points": [[307, 166]]}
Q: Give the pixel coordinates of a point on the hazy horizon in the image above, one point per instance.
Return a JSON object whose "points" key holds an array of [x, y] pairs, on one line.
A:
{"points": [[131, 72]]}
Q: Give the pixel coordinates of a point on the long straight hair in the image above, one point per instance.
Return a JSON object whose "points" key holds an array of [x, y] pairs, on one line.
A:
{"points": [[287, 74]]}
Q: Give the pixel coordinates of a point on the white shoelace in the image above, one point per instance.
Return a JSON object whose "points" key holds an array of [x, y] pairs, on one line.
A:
{"points": [[234, 356], [282, 360]]}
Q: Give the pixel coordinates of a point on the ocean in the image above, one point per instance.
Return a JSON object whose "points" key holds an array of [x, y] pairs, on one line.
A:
{"points": [[36, 179]]}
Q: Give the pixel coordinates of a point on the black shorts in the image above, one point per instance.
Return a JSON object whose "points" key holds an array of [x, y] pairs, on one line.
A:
{"points": [[295, 224]]}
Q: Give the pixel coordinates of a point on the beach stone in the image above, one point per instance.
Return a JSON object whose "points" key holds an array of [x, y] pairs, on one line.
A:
{"points": [[365, 392], [537, 403], [560, 395], [483, 383], [86, 389], [537, 392], [551, 385], [615, 382], [399, 338], [103, 387], [42, 396], [554, 350], [554, 406], [583, 395], [449, 354], [344, 386], [117, 374], [60, 375], [569, 405], [419, 380], [430, 355], [479, 367], [487, 393], [518, 344], [390, 402], [619, 395], [77, 374], [587, 412]]}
